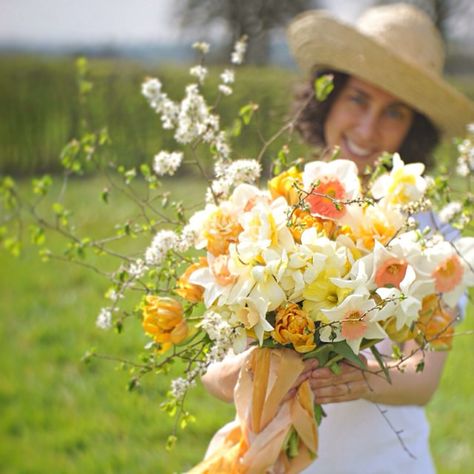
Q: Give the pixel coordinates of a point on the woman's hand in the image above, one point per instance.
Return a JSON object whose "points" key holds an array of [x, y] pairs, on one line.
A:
{"points": [[349, 384], [309, 366]]}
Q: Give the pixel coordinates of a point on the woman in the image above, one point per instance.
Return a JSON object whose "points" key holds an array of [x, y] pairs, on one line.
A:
{"points": [[388, 96]]}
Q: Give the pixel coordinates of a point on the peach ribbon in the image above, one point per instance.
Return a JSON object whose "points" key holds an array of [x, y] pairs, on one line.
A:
{"points": [[253, 443]]}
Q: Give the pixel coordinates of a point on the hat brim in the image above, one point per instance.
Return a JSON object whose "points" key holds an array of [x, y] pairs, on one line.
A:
{"points": [[317, 40]]}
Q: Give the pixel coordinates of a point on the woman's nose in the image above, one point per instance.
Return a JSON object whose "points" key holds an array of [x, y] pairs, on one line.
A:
{"points": [[367, 126]]}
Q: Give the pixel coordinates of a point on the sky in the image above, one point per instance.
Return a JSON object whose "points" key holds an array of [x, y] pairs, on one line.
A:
{"points": [[107, 21]]}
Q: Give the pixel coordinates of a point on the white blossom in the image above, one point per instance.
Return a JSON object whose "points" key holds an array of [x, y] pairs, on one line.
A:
{"points": [[462, 169], [450, 211], [243, 171], [167, 163], [137, 268], [163, 242], [194, 119], [187, 238], [201, 46], [180, 386], [151, 89], [219, 189], [226, 90], [222, 146], [200, 72], [240, 47], [228, 76], [104, 320]]}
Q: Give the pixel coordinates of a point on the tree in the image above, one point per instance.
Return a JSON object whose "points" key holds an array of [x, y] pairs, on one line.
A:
{"points": [[254, 18]]}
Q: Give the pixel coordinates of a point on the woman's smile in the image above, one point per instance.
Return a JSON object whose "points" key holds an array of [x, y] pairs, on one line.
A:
{"points": [[364, 121]]}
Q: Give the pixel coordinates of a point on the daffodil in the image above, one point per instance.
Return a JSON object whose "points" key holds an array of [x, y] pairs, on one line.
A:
{"points": [[402, 185], [355, 319], [329, 185]]}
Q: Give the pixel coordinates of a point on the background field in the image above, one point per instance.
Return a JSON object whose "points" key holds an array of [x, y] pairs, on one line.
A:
{"points": [[58, 414]]}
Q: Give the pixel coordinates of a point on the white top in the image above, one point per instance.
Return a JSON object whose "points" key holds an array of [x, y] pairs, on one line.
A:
{"points": [[357, 438]]}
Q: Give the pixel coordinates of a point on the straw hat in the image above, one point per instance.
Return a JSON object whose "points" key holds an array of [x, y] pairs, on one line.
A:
{"points": [[395, 47]]}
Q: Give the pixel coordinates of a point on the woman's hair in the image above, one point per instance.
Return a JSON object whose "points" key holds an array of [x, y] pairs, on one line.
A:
{"points": [[418, 145]]}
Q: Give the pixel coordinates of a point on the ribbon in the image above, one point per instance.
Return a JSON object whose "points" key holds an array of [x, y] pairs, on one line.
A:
{"points": [[254, 443]]}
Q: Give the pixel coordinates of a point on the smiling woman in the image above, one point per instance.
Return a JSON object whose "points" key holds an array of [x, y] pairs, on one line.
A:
{"points": [[388, 96], [364, 120]]}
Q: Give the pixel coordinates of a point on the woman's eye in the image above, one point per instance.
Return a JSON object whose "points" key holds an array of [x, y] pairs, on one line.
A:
{"points": [[394, 113], [357, 99]]}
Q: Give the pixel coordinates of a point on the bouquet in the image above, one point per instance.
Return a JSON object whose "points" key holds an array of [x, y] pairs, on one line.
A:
{"points": [[319, 263]]}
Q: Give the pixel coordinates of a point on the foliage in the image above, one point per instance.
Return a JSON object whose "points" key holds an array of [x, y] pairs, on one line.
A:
{"points": [[40, 111]]}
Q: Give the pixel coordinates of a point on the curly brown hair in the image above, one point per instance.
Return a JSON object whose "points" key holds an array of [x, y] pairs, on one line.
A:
{"points": [[418, 145]]}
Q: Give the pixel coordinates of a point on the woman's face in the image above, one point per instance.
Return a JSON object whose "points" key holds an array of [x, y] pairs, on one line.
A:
{"points": [[364, 121]]}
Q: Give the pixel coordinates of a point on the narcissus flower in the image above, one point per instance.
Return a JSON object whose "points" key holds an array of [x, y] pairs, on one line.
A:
{"points": [[356, 318], [328, 185], [163, 320], [404, 183], [294, 326]]}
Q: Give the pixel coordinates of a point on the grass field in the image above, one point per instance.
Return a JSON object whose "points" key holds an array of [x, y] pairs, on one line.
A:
{"points": [[61, 415]]}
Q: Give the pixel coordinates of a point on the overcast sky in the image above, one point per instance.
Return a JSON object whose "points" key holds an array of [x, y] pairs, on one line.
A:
{"points": [[106, 21]]}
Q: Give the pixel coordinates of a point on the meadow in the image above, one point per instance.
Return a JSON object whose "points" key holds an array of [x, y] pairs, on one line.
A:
{"points": [[61, 414]]}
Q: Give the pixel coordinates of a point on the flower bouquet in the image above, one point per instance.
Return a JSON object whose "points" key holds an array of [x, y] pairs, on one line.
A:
{"points": [[316, 264]]}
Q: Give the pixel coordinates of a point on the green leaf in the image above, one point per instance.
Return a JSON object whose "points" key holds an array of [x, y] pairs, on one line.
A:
{"points": [[321, 354], [396, 352], [133, 384], [319, 413], [420, 366], [236, 129], [171, 442], [335, 368], [247, 111], [323, 86], [343, 349], [378, 358], [42, 185], [291, 444], [37, 235], [104, 195], [104, 137], [13, 245]]}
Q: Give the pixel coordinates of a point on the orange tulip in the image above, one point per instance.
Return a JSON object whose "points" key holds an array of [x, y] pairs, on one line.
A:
{"points": [[187, 290], [163, 320], [285, 184], [221, 230], [294, 326], [435, 324]]}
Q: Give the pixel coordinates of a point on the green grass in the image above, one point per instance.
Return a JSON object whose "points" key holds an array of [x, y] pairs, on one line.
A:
{"points": [[58, 414]]}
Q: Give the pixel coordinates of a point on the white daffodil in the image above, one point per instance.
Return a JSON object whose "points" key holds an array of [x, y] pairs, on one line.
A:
{"points": [[403, 184], [353, 320], [451, 265], [245, 196], [252, 313], [328, 185], [264, 226], [374, 223]]}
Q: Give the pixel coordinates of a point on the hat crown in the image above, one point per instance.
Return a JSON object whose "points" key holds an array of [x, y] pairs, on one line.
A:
{"points": [[406, 31]]}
